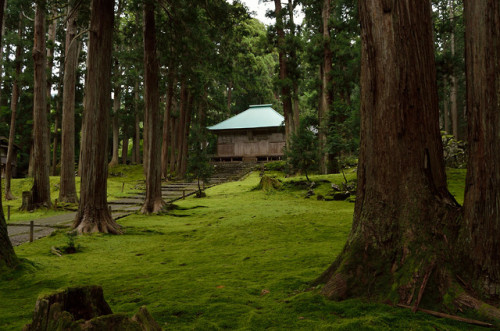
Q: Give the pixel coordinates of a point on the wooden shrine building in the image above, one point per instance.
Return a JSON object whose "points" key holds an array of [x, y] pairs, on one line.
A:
{"points": [[257, 134]]}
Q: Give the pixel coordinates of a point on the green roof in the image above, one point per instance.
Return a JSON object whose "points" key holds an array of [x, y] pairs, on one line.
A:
{"points": [[257, 116]]}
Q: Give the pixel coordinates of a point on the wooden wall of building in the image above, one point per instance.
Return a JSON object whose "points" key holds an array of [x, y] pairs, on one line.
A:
{"points": [[250, 143]]}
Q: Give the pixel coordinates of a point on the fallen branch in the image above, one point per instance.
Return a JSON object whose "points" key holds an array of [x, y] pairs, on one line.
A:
{"points": [[452, 317], [55, 251]]}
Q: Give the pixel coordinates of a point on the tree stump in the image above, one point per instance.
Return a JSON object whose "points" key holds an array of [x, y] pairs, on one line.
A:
{"points": [[84, 308], [268, 183], [27, 202]]}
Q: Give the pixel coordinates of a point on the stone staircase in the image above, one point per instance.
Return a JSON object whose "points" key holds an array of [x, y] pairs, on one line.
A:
{"points": [[230, 171]]}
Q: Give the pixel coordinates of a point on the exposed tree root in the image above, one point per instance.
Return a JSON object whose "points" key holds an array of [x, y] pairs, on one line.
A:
{"points": [[153, 208], [96, 220]]}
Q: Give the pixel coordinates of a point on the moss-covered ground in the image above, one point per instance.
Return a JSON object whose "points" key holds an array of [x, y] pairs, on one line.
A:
{"points": [[239, 259], [128, 178]]}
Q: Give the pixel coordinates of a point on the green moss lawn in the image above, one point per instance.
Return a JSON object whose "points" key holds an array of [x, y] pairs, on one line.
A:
{"points": [[238, 259]]}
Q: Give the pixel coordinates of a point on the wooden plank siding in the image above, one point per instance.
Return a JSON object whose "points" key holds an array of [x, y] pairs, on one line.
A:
{"points": [[250, 143]]}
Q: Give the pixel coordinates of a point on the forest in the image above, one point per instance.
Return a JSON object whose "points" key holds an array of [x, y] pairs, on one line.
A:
{"points": [[403, 90]]}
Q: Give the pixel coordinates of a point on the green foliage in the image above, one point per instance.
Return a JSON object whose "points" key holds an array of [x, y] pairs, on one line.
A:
{"points": [[302, 151], [275, 166], [199, 166], [454, 152]]}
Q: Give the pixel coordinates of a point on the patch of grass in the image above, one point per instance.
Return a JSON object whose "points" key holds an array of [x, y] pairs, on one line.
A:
{"points": [[456, 183], [130, 178], [244, 261]]}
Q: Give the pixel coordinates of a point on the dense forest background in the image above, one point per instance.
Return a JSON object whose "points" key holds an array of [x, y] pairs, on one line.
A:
{"points": [[214, 61]]}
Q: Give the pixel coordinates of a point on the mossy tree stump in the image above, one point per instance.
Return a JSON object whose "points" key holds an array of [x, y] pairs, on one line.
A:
{"points": [[84, 308]]}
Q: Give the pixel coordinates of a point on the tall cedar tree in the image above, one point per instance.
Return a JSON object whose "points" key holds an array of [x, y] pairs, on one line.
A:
{"points": [[13, 109], [41, 184], [286, 97], [67, 192], [93, 213], [154, 201], [397, 243], [482, 195], [7, 255], [326, 93]]}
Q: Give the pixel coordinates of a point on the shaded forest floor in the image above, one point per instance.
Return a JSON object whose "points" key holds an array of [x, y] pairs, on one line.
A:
{"points": [[239, 259]]}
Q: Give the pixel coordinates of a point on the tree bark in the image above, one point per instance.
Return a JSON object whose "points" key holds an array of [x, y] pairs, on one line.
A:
{"points": [[185, 136], [453, 77], [50, 64], [397, 243], [125, 149], [482, 194], [286, 97], [7, 255], [136, 152], [67, 191], [116, 128], [175, 135], [2, 30], [41, 182], [181, 124], [53, 170], [295, 110], [167, 131], [93, 213], [13, 109], [153, 202], [326, 99]]}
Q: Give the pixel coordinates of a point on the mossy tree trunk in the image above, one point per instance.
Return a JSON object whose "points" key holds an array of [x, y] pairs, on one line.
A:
{"points": [[41, 183], [397, 242], [480, 237], [93, 213], [153, 202]]}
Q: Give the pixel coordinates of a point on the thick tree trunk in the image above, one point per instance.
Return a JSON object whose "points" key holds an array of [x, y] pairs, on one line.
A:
{"points": [[7, 255], [326, 99], [286, 97], [481, 224], [93, 213], [67, 191], [116, 128], [41, 182], [13, 109], [153, 202], [398, 239]]}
